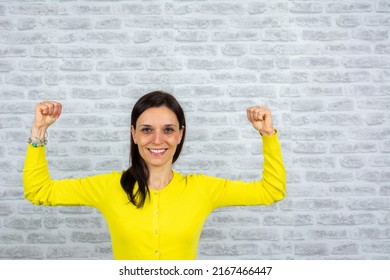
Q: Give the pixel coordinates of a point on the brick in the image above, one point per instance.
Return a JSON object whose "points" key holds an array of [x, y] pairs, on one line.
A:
{"points": [[233, 77], [196, 50], [278, 248], [137, 9], [46, 238], [76, 65], [164, 64], [8, 194], [288, 220], [332, 35], [34, 9], [303, 7], [322, 176], [89, 9], [208, 64], [20, 223], [352, 161], [263, 22], [77, 210], [310, 21], [380, 203], [255, 63], [110, 23], [81, 93], [369, 233], [255, 234], [353, 148], [349, 21], [367, 62], [24, 79], [218, 249], [119, 79], [377, 20], [279, 34], [192, 36], [149, 51], [256, 8], [370, 34], [121, 65], [380, 49], [382, 6], [210, 234], [21, 252], [359, 7], [343, 219], [105, 135], [90, 237], [230, 36], [68, 252], [11, 238], [311, 249], [382, 247], [347, 48], [44, 51], [341, 77], [346, 248], [13, 51], [84, 222], [171, 78], [198, 91], [30, 38], [6, 209]]}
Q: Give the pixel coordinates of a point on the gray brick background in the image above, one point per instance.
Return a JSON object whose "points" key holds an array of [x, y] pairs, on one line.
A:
{"points": [[323, 67]]}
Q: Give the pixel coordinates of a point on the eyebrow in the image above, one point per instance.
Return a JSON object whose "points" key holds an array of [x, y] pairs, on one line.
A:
{"points": [[165, 125]]}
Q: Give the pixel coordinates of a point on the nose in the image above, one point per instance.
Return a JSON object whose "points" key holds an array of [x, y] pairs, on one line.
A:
{"points": [[158, 137]]}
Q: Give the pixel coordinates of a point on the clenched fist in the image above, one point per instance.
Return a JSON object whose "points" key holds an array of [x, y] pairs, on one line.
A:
{"points": [[46, 113], [261, 119]]}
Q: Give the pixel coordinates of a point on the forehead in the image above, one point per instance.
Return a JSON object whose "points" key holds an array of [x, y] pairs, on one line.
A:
{"points": [[157, 115]]}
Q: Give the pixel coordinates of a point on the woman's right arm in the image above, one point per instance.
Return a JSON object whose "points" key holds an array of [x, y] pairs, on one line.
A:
{"points": [[39, 188]]}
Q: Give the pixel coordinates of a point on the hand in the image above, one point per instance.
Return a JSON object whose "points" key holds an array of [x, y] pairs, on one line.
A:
{"points": [[261, 119], [46, 113]]}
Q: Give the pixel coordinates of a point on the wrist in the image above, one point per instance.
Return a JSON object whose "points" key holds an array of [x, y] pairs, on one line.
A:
{"points": [[267, 133], [38, 137], [38, 132]]}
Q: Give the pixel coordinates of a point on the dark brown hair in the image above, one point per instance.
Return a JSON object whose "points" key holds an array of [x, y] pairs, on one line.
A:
{"points": [[138, 171]]}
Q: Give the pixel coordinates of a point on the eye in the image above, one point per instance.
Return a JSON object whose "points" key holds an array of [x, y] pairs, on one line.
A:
{"points": [[169, 130], [146, 130]]}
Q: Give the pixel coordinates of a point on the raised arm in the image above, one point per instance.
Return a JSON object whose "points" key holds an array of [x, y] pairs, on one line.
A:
{"points": [[39, 188], [272, 186]]}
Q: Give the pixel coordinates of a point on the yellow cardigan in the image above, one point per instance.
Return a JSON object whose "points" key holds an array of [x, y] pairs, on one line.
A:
{"points": [[170, 223]]}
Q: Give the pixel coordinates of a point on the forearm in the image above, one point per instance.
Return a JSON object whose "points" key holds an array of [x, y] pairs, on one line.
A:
{"points": [[274, 173]]}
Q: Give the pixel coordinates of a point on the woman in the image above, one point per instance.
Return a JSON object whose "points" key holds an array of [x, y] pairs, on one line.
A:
{"points": [[152, 211]]}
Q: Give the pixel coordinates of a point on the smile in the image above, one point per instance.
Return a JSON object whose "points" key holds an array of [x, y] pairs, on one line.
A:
{"points": [[157, 151]]}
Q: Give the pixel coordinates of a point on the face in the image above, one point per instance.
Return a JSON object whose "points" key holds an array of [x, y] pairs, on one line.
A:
{"points": [[157, 133]]}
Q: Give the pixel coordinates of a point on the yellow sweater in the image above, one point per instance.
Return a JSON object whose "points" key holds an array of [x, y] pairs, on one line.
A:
{"points": [[170, 223]]}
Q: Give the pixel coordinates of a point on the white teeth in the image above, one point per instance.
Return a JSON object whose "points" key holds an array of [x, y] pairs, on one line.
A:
{"points": [[157, 151]]}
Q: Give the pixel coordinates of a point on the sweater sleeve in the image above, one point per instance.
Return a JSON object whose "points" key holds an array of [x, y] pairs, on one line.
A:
{"points": [[40, 189], [270, 189]]}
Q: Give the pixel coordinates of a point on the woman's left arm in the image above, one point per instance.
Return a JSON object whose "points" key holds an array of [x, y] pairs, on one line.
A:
{"points": [[272, 186]]}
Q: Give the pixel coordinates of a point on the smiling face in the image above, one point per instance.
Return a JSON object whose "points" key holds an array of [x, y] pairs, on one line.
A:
{"points": [[157, 134]]}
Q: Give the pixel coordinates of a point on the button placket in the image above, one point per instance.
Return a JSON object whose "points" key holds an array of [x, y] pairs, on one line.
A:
{"points": [[155, 226]]}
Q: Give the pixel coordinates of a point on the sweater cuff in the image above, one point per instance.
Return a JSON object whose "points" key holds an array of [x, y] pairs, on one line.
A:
{"points": [[271, 142], [35, 155]]}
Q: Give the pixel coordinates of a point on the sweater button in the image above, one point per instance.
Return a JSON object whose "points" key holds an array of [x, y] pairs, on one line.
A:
{"points": [[157, 252]]}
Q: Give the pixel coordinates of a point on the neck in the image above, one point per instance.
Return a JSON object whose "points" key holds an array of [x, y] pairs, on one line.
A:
{"points": [[159, 178]]}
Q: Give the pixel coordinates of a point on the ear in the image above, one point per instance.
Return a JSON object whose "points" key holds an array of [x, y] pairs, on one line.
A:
{"points": [[133, 134], [181, 133]]}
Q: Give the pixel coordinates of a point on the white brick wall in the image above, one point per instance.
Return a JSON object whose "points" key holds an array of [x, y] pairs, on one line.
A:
{"points": [[323, 67]]}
